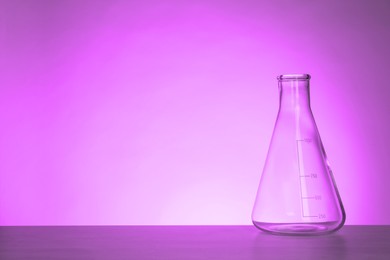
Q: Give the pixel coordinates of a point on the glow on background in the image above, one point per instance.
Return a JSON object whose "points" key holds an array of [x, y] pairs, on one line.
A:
{"points": [[161, 112]]}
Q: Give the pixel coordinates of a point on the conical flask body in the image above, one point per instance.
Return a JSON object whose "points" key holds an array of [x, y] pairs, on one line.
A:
{"points": [[297, 193]]}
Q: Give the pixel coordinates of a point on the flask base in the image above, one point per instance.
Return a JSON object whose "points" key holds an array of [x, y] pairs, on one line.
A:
{"points": [[299, 229]]}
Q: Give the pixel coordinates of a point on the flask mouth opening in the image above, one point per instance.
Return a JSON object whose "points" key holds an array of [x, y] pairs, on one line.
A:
{"points": [[293, 77]]}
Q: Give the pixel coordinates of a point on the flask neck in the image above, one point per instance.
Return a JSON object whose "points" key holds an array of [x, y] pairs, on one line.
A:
{"points": [[294, 94]]}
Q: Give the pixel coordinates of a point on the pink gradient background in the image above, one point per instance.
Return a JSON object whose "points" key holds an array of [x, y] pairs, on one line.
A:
{"points": [[161, 112]]}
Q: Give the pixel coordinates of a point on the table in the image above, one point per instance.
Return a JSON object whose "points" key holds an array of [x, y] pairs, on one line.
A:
{"points": [[188, 242]]}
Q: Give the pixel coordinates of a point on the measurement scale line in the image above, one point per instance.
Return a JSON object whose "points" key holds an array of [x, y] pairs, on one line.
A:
{"points": [[300, 184], [308, 197]]}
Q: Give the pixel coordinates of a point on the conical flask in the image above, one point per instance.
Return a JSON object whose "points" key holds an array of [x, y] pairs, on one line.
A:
{"points": [[297, 194]]}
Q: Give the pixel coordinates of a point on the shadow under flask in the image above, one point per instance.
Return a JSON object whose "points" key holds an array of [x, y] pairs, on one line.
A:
{"points": [[297, 194]]}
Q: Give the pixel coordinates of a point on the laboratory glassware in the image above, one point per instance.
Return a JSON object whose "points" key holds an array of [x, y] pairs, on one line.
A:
{"points": [[297, 194]]}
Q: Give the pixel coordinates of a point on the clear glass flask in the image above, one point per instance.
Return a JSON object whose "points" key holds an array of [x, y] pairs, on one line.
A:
{"points": [[297, 194]]}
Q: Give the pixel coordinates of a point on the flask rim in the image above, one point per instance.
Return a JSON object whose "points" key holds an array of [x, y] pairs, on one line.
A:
{"points": [[293, 77]]}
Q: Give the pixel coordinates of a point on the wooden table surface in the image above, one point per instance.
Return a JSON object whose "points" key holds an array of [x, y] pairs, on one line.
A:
{"points": [[188, 242]]}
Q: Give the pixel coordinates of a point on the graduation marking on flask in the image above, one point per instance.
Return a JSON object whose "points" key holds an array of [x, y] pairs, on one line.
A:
{"points": [[302, 174]]}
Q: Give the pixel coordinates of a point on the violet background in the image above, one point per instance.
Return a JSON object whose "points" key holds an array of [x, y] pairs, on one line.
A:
{"points": [[161, 112]]}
